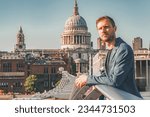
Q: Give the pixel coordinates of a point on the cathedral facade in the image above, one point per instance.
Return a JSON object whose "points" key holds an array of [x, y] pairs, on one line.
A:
{"points": [[76, 40]]}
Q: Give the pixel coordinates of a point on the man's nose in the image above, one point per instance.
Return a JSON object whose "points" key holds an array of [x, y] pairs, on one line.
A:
{"points": [[103, 30]]}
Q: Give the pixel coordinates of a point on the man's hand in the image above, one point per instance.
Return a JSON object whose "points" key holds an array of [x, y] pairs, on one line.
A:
{"points": [[81, 80]]}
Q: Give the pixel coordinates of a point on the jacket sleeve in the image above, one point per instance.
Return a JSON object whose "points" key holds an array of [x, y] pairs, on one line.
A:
{"points": [[124, 64]]}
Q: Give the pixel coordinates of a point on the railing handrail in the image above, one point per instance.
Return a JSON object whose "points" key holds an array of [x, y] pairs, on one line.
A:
{"points": [[109, 92], [113, 93]]}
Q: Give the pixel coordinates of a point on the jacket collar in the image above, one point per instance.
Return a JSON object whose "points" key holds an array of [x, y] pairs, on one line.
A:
{"points": [[118, 41]]}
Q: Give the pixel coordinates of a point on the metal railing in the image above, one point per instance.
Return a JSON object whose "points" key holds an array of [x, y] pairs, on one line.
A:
{"points": [[66, 90], [97, 91]]}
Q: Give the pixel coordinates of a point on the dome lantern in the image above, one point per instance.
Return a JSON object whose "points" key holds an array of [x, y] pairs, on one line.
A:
{"points": [[75, 12]]}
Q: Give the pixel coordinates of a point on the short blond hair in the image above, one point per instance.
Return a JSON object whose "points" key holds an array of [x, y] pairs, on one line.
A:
{"points": [[108, 18]]}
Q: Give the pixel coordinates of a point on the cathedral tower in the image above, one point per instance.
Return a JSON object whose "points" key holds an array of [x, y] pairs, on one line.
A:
{"points": [[20, 45]]}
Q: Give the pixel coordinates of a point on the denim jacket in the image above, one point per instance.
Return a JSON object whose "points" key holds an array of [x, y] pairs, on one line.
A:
{"points": [[121, 72]]}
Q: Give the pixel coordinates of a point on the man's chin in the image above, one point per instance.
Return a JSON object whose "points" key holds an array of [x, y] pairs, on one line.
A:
{"points": [[105, 39]]}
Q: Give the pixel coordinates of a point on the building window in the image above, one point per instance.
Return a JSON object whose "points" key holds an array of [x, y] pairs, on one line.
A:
{"points": [[28, 67], [20, 67], [45, 69], [3, 84], [7, 67], [79, 55], [53, 70], [17, 84], [45, 84], [80, 39]]}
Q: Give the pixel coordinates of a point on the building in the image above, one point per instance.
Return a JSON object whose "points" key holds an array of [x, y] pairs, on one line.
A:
{"points": [[12, 73], [75, 33], [142, 69], [76, 47], [142, 65], [100, 45], [20, 45], [137, 43], [76, 40], [16, 67]]}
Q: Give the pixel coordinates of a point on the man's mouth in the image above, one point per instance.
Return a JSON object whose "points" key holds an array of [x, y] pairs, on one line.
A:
{"points": [[105, 35]]}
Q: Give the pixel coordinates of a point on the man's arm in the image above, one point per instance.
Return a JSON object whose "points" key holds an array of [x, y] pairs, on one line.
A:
{"points": [[123, 66]]}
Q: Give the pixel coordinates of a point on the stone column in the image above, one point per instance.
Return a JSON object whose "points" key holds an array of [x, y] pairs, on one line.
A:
{"points": [[147, 77], [135, 69], [140, 68], [82, 39], [72, 39], [66, 39], [63, 40]]}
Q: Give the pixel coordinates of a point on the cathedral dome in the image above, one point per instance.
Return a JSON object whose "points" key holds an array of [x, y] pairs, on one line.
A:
{"points": [[75, 22], [75, 33]]}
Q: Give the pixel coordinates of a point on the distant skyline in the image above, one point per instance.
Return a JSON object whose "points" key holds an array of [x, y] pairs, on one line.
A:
{"points": [[43, 21]]}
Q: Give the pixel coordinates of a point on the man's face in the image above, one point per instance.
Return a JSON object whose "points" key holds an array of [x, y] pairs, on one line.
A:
{"points": [[106, 30]]}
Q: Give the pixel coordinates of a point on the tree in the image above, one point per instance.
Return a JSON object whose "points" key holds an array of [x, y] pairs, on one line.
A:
{"points": [[30, 84]]}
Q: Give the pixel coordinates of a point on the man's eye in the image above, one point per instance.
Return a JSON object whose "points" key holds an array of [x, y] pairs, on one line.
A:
{"points": [[107, 27]]}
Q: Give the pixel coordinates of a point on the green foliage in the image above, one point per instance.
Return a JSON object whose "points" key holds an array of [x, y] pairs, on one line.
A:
{"points": [[30, 84], [57, 83]]}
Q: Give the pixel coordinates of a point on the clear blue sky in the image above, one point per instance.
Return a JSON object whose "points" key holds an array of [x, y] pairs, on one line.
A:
{"points": [[43, 20]]}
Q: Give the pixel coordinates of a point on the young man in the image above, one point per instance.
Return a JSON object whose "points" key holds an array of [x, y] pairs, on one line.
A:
{"points": [[119, 64]]}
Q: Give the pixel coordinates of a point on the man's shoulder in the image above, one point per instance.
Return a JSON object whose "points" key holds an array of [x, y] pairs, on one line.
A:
{"points": [[122, 44]]}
